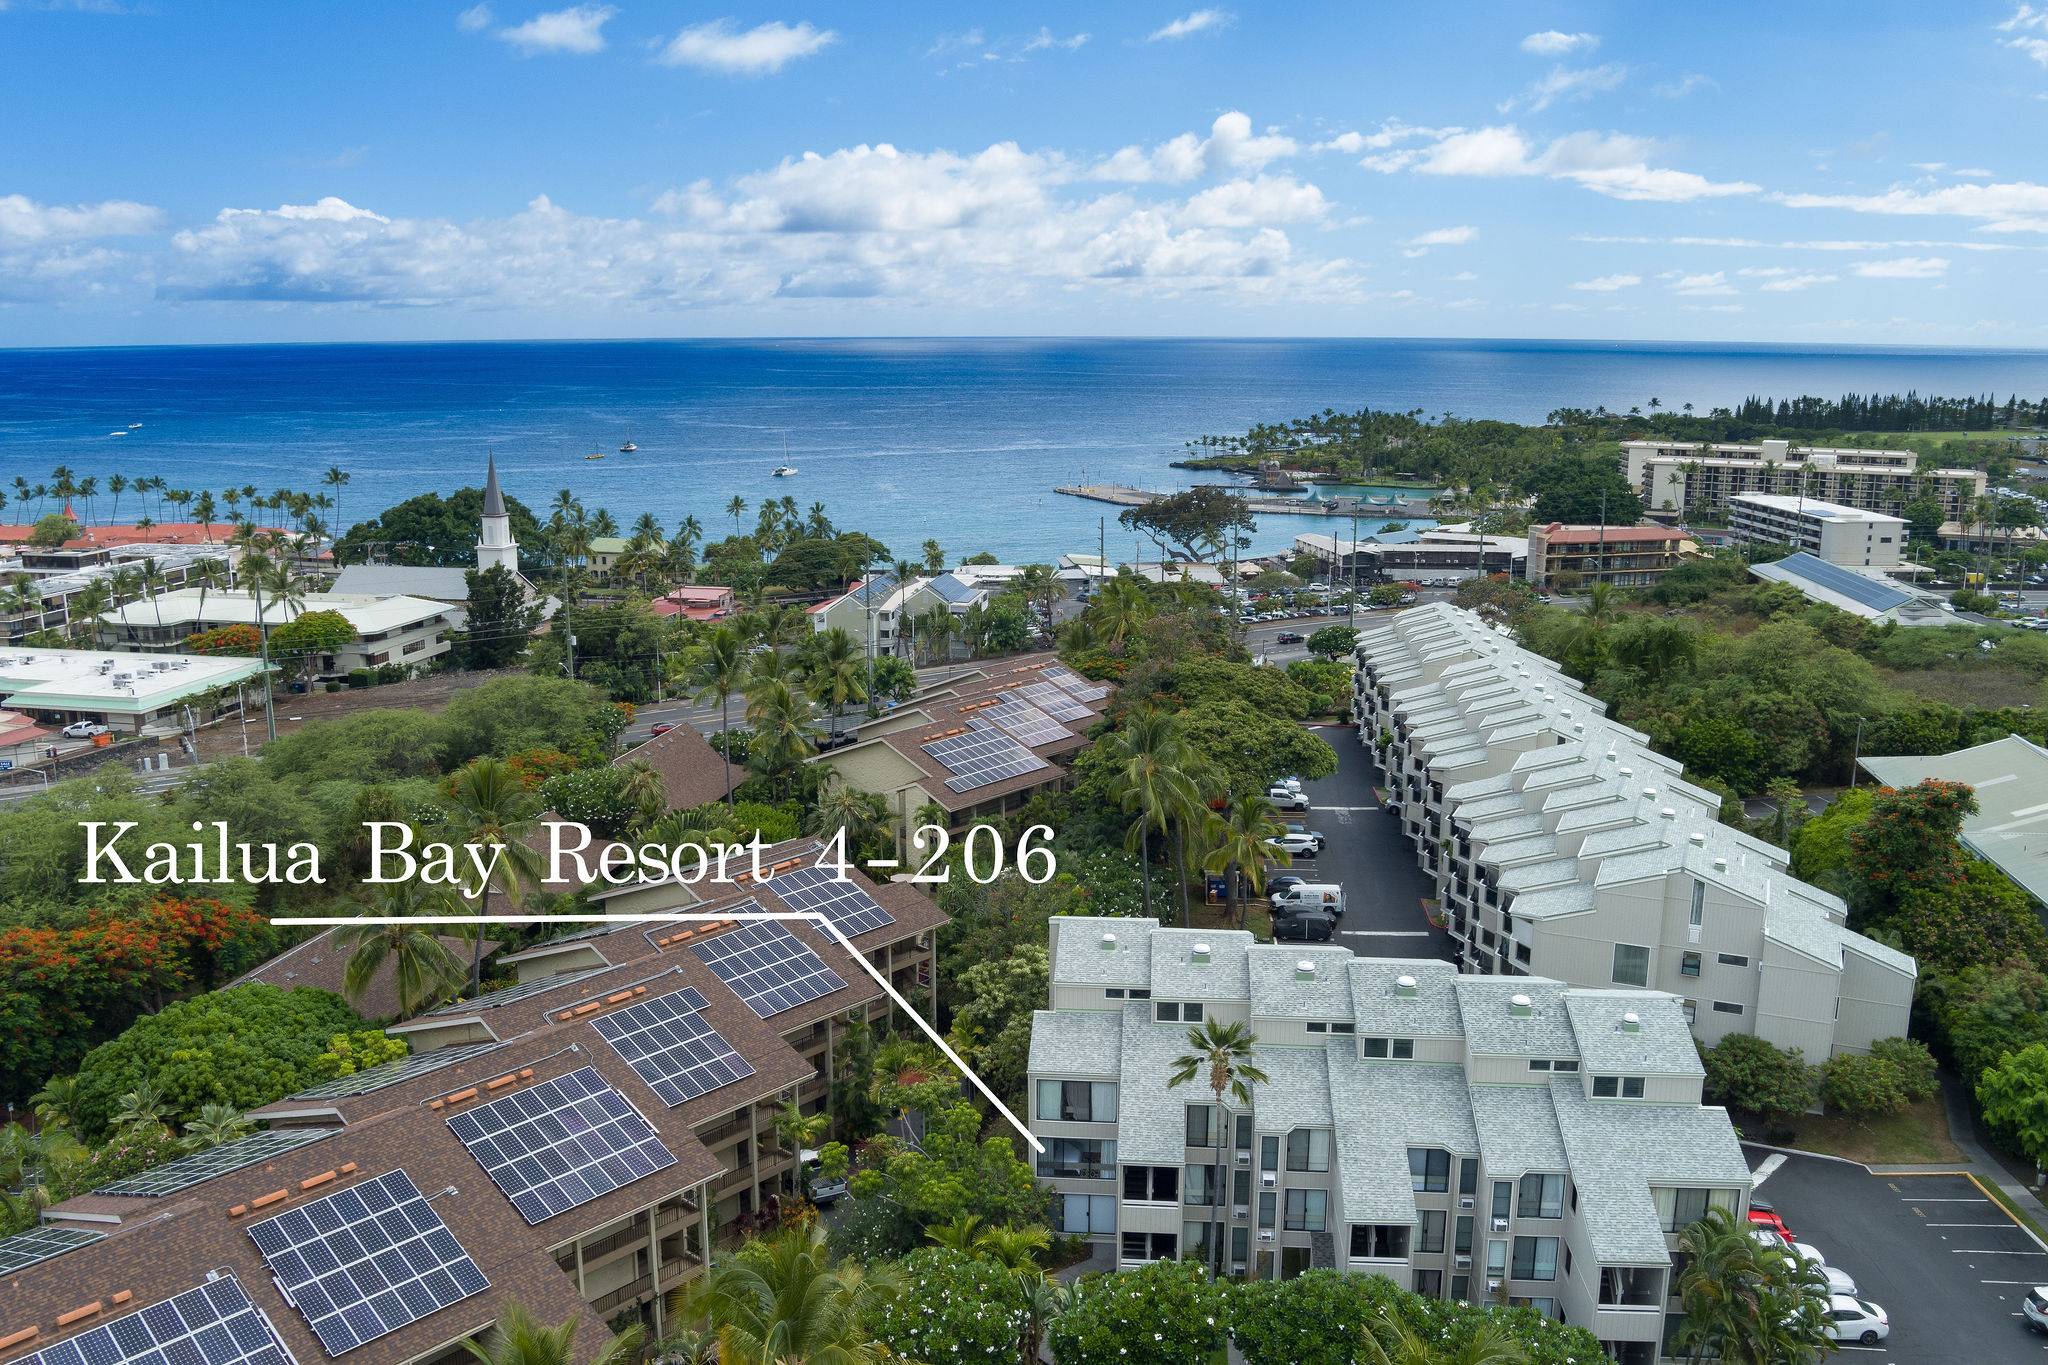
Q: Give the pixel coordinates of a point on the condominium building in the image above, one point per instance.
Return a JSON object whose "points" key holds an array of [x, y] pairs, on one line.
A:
{"points": [[577, 1143], [1563, 846], [879, 611], [1475, 1138], [1676, 478], [1848, 536], [1563, 556], [408, 631]]}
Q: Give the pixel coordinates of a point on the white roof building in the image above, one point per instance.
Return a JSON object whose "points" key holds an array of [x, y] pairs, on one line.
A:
{"points": [[123, 691], [2010, 778], [1832, 531]]}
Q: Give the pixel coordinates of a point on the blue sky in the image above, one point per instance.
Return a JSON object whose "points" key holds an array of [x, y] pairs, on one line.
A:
{"points": [[174, 171]]}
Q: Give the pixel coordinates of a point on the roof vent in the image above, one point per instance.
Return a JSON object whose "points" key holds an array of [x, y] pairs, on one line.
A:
{"points": [[1649, 793], [1631, 1022], [1668, 813], [1404, 985], [1201, 952], [1627, 772], [1305, 969], [1607, 757], [1520, 1006], [1109, 941], [1720, 864], [1698, 838]]}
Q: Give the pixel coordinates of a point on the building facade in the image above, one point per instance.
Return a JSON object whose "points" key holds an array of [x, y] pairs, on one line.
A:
{"points": [[1678, 479], [1563, 846], [1476, 1138], [1569, 557], [405, 631], [1848, 536]]}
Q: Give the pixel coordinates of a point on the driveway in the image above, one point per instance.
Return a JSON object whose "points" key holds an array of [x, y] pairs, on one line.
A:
{"points": [[1947, 1264], [1366, 855]]}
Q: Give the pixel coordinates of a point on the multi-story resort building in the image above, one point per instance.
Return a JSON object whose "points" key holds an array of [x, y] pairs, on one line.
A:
{"points": [[126, 693], [576, 1143], [1478, 1138], [1563, 846], [1677, 478], [42, 584], [408, 631], [1848, 536], [1563, 556]]}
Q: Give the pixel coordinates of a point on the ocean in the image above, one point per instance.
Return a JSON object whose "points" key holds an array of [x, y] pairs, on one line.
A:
{"points": [[961, 441]]}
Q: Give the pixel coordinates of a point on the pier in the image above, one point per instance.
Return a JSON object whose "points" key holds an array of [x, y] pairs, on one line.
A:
{"points": [[1124, 496]]}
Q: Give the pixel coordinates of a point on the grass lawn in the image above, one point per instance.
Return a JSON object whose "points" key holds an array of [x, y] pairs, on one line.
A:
{"points": [[1919, 1133]]}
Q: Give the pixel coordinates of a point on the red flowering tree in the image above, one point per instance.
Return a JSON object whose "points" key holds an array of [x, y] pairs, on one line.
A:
{"points": [[1910, 843], [241, 641]]}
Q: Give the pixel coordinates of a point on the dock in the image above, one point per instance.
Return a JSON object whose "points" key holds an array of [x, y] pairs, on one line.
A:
{"points": [[1124, 496]]}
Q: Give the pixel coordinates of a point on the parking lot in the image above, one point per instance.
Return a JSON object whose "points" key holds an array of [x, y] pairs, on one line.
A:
{"points": [[1365, 854], [1947, 1264]]}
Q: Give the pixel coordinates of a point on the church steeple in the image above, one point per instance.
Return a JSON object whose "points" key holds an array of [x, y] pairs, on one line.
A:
{"points": [[494, 543]]}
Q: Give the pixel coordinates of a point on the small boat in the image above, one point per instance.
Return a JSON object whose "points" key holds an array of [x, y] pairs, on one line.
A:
{"points": [[135, 426], [785, 471], [628, 448], [595, 455], [117, 433]]}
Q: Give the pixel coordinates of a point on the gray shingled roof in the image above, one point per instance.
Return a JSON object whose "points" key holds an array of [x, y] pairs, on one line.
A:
{"points": [[1662, 1043], [1619, 1149], [1077, 1043], [1176, 975], [1491, 1030], [1276, 991], [1517, 1129], [1555, 901], [1372, 1172], [1297, 1092], [1151, 1116], [1080, 959], [1431, 1013]]}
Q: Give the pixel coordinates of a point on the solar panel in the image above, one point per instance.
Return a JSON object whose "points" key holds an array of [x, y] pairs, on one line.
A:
{"points": [[1023, 721], [365, 1262], [982, 756], [391, 1073], [1075, 684], [188, 1171], [670, 1045], [813, 889], [767, 967], [1054, 701], [953, 589], [40, 1244], [1854, 586], [508, 994], [561, 1143], [215, 1324]]}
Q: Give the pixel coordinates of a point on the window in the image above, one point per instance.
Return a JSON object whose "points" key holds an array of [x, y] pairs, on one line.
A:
{"points": [[1631, 964], [1306, 1210], [1403, 1049], [1565, 1064], [1699, 904], [1318, 1026], [1617, 1087], [1085, 1213], [1547, 1307], [1429, 1283], [1496, 1259], [1343, 1028], [1138, 994], [1690, 1009], [1379, 1241], [1152, 1184], [1542, 1196], [1308, 1149], [1269, 1152], [1539, 1063], [1240, 1245], [1433, 1229], [1680, 1209], [1173, 1012], [1077, 1101], [1462, 1240], [1732, 959], [1198, 1125], [1503, 1194], [1244, 1132], [1468, 1176], [1268, 1205], [1631, 1087], [1241, 1188], [1079, 1158], [1461, 1285], [1112, 992], [1196, 1181], [1429, 1170], [1150, 1246], [1535, 1258], [1727, 1007], [1688, 964], [1372, 1047]]}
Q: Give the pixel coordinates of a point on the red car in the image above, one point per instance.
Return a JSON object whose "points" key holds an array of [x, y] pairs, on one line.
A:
{"points": [[1765, 1216], [660, 729]]}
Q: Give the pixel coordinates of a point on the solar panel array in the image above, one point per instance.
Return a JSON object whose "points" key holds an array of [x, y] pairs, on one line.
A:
{"points": [[25, 1249], [1023, 721], [508, 994], [982, 756], [391, 1073], [953, 589], [1836, 579], [1054, 701], [561, 1143], [1075, 684], [365, 1262], [215, 1324], [671, 1046], [188, 1171], [813, 889], [767, 967]]}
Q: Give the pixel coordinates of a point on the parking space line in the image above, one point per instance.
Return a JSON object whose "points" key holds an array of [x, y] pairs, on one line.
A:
{"points": [[1992, 1251], [1766, 1169], [1969, 1225], [1946, 1199], [1385, 933]]}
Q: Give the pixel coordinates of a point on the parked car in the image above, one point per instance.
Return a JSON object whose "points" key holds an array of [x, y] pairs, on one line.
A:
{"points": [[817, 1188], [837, 739], [1276, 884], [84, 729], [1307, 924], [1304, 844], [1320, 895], [1288, 637], [1839, 1280], [1854, 1319], [2035, 1306], [663, 728], [1286, 798], [1764, 1214]]}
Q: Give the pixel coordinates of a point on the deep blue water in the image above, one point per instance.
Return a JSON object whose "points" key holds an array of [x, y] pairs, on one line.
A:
{"points": [[961, 440]]}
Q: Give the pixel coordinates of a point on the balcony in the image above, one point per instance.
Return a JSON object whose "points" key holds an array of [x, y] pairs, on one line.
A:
{"points": [[1631, 1288]]}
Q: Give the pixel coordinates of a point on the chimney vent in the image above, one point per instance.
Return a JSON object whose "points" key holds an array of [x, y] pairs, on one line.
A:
{"points": [[1404, 985], [1305, 969], [1109, 941], [1520, 1006], [1201, 952], [1698, 838], [1720, 864], [1631, 1022]]}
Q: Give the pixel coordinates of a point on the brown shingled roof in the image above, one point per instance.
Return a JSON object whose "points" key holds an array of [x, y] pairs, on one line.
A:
{"points": [[318, 963], [691, 771]]}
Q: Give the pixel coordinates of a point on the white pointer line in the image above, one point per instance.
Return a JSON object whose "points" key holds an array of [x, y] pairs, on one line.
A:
{"points": [[813, 917]]}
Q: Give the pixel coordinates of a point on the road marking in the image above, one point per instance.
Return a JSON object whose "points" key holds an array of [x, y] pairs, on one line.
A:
{"points": [[1993, 1251], [1769, 1167], [1343, 807], [1386, 933], [1958, 1199], [1964, 1225]]}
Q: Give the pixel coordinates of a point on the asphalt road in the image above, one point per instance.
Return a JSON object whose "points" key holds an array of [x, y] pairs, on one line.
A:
{"points": [[1364, 853], [1947, 1264]]}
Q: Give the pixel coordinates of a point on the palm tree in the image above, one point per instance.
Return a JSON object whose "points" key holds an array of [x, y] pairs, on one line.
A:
{"points": [[1150, 761], [960, 1234], [1720, 1289], [783, 728], [426, 969], [86, 607], [797, 1130], [1221, 1054], [143, 1107], [839, 673], [210, 575], [27, 1163], [519, 1339], [643, 790], [1120, 608], [1014, 1246], [861, 817], [336, 478], [723, 671], [934, 557], [935, 631], [784, 1302], [1391, 1341], [490, 810], [736, 509], [1240, 845], [56, 1104], [217, 1123]]}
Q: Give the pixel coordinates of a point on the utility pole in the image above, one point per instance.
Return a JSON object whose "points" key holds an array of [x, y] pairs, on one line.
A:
{"points": [[1856, 754], [1351, 598]]}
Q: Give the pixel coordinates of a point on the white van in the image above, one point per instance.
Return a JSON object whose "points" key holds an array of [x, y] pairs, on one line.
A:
{"points": [[1327, 895]]}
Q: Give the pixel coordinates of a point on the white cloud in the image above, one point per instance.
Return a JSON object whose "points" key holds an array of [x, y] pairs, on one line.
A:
{"points": [[1904, 268], [1792, 284], [758, 51], [1704, 285], [1045, 38], [578, 29], [1683, 86], [1187, 25], [1462, 277], [1821, 244], [1420, 244], [1551, 43], [2024, 18], [1250, 203], [1566, 83], [1607, 284], [1231, 145], [2008, 206], [475, 19], [1613, 164], [24, 220]]}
